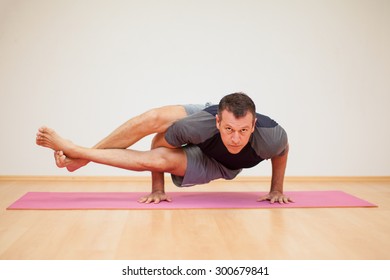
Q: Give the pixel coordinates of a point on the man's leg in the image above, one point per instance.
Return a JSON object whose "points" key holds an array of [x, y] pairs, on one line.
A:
{"points": [[153, 121], [159, 160]]}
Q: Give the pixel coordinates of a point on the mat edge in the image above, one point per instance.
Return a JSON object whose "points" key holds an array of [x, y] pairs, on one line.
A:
{"points": [[239, 179]]}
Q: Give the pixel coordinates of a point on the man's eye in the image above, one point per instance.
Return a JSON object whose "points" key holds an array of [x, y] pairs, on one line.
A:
{"points": [[244, 130], [229, 129]]}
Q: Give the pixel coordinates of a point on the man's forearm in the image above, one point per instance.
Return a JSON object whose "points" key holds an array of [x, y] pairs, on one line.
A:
{"points": [[158, 180], [279, 164]]}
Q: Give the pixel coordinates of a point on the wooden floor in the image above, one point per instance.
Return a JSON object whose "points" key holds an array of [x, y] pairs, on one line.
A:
{"points": [[338, 233]]}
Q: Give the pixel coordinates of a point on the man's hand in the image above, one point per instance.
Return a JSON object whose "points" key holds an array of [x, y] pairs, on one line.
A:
{"points": [[276, 196], [155, 197]]}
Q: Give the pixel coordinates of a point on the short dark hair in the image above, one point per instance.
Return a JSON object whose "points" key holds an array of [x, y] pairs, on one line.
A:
{"points": [[237, 103]]}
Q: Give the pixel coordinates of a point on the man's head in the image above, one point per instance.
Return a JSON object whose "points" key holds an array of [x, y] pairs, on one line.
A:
{"points": [[236, 120]]}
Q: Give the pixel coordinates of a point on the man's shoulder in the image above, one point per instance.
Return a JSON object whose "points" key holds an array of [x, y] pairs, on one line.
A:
{"points": [[212, 110], [269, 138], [194, 129], [265, 121]]}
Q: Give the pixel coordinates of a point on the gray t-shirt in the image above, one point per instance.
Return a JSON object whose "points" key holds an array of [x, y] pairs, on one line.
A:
{"points": [[268, 140]]}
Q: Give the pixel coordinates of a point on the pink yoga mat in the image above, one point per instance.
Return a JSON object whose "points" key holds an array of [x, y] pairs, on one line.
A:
{"points": [[182, 200]]}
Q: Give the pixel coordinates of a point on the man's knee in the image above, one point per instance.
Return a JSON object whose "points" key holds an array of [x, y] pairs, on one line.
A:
{"points": [[151, 119], [163, 117]]}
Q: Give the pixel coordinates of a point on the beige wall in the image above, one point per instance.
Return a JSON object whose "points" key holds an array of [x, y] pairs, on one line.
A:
{"points": [[320, 68]]}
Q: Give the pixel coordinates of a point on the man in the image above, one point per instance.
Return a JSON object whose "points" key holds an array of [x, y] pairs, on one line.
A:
{"points": [[194, 144]]}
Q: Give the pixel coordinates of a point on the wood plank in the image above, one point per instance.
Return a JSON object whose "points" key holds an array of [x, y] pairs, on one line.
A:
{"points": [[347, 233]]}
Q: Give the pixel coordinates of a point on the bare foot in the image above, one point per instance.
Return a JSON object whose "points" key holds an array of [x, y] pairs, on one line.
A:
{"points": [[71, 164], [47, 137]]}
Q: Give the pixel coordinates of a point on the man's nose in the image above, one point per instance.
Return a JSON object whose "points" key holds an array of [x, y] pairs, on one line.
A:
{"points": [[235, 138]]}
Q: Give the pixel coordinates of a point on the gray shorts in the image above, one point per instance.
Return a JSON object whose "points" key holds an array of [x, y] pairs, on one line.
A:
{"points": [[201, 169], [195, 108]]}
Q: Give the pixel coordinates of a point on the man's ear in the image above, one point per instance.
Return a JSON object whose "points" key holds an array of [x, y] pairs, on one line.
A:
{"points": [[254, 125], [217, 120]]}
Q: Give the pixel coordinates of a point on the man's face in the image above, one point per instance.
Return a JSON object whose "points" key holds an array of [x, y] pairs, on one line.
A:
{"points": [[235, 133]]}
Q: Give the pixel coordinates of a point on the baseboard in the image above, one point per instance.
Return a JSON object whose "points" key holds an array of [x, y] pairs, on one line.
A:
{"points": [[238, 179]]}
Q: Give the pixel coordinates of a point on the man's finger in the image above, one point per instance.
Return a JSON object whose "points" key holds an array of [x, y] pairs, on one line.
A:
{"points": [[265, 197], [149, 199]]}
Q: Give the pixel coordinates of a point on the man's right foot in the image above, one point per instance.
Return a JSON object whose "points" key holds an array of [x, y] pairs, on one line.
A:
{"points": [[71, 164]]}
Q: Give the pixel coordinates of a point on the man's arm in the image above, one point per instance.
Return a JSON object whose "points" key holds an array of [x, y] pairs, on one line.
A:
{"points": [[279, 164], [158, 183]]}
